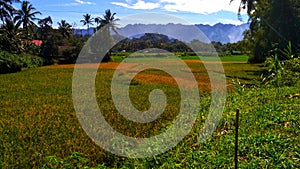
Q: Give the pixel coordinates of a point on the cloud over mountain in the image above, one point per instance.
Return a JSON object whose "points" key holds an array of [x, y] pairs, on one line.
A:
{"points": [[224, 33], [192, 6]]}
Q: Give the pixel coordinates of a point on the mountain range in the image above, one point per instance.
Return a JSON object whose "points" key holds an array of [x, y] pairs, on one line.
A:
{"points": [[224, 33]]}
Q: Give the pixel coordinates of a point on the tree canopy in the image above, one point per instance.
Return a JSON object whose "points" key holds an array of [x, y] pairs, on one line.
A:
{"points": [[26, 16], [274, 23], [87, 20]]}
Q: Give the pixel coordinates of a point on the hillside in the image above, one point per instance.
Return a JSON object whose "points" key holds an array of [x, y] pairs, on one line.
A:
{"points": [[224, 33]]}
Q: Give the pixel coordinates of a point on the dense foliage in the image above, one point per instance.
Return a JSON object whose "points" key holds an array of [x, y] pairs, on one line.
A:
{"points": [[274, 23], [282, 72], [154, 40], [20, 27], [10, 63]]}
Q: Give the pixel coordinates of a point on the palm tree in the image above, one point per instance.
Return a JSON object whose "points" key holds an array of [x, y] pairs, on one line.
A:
{"points": [[97, 21], [10, 36], [45, 27], [109, 18], [87, 21], [26, 16], [46, 22], [108, 22], [6, 9], [65, 28]]}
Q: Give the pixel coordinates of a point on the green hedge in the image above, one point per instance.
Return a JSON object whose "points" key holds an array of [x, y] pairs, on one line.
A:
{"points": [[10, 63]]}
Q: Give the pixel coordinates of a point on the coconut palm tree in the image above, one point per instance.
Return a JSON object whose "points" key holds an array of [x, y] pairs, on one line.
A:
{"points": [[109, 18], [45, 27], [87, 21], [97, 21], [108, 22], [6, 9], [64, 28], [10, 36], [46, 22], [26, 15]]}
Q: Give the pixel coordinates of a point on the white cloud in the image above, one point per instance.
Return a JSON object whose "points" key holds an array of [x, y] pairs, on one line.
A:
{"points": [[192, 6], [201, 6], [140, 4], [231, 21], [77, 3], [83, 2]]}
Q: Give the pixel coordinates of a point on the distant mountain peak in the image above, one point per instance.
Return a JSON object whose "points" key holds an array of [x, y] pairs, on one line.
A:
{"points": [[224, 33]]}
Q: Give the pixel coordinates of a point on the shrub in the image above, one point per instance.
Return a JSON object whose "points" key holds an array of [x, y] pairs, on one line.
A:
{"points": [[282, 73], [70, 55], [293, 65], [10, 63], [29, 61]]}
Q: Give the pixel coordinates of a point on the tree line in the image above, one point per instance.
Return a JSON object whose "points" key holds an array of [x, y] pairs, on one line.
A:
{"points": [[154, 40], [20, 27], [273, 25]]}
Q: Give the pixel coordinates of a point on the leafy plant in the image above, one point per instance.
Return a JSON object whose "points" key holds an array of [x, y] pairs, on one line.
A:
{"points": [[283, 72], [10, 63], [287, 52]]}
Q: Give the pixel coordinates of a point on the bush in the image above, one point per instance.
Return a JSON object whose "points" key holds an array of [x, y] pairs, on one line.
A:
{"points": [[29, 61], [70, 55], [293, 65], [283, 69], [10, 63], [282, 73]]}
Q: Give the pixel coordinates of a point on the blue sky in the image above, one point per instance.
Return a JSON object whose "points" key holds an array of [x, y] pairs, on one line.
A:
{"points": [[192, 11]]}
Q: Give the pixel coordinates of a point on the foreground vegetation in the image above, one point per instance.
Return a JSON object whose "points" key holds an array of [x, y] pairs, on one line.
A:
{"points": [[10, 63], [39, 128]]}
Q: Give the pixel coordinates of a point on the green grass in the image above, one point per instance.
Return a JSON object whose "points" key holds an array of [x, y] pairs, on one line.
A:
{"points": [[233, 58], [39, 127], [247, 73]]}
